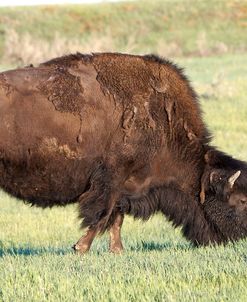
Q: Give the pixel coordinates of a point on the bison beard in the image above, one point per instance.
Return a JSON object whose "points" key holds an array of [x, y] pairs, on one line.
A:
{"points": [[117, 134], [211, 223]]}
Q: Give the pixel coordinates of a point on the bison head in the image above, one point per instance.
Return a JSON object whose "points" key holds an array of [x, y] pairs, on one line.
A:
{"points": [[224, 196]]}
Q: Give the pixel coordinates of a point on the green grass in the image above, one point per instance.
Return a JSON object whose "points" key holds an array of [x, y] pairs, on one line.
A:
{"points": [[37, 264], [223, 81]]}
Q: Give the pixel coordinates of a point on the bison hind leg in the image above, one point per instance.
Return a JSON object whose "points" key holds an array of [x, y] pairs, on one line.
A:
{"points": [[84, 243], [94, 203], [96, 209]]}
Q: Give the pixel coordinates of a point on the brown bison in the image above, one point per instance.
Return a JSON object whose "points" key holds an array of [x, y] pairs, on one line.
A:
{"points": [[117, 134]]}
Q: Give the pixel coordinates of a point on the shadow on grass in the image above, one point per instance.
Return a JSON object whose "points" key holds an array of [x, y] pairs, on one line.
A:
{"points": [[138, 247], [154, 246], [33, 251]]}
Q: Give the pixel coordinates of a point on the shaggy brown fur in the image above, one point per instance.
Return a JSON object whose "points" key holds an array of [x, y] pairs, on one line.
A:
{"points": [[117, 134]]}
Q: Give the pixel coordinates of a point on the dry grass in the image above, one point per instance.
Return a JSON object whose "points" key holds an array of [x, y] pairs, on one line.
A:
{"points": [[169, 28], [23, 50]]}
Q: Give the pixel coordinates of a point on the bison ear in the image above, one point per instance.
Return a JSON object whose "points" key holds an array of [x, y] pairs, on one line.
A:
{"points": [[208, 178], [214, 177], [233, 178]]}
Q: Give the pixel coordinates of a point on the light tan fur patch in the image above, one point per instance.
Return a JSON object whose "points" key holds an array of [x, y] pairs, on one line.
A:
{"points": [[51, 145]]}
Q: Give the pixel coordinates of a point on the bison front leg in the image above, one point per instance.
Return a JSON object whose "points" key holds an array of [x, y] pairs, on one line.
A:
{"points": [[84, 243], [116, 245]]}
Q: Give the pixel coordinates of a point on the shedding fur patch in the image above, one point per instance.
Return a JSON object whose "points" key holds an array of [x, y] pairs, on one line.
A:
{"points": [[64, 90], [69, 60], [51, 145], [169, 107], [4, 86], [190, 134]]}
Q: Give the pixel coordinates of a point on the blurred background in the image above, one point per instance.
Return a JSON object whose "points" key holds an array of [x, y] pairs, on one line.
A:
{"points": [[171, 28]]}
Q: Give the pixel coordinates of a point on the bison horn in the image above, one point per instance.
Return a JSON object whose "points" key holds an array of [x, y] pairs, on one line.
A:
{"points": [[233, 178]]}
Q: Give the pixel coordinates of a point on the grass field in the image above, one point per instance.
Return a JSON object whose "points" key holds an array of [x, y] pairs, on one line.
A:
{"points": [[37, 263], [36, 260]]}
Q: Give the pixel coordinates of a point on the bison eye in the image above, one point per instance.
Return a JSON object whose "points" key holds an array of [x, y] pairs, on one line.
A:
{"points": [[242, 201]]}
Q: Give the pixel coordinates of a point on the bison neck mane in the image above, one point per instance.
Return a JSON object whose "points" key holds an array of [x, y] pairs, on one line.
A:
{"points": [[212, 222], [179, 208]]}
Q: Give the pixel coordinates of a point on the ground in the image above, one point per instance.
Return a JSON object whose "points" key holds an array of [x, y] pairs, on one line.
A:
{"points": [[38, 264]]}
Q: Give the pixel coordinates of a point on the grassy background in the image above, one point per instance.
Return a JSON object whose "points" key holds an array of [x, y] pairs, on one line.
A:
{"points": [[36, 262], [172, 28]]}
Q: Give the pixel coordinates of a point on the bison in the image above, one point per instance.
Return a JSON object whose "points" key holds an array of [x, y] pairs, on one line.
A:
{"points": [[118, 134]]}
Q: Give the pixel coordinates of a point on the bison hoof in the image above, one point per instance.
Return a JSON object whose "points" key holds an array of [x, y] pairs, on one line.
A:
{"points": [[116, 249], [80, 249]]}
